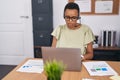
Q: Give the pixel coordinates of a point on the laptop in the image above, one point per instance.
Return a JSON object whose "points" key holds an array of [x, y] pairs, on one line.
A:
{"points": [[71, 57]]}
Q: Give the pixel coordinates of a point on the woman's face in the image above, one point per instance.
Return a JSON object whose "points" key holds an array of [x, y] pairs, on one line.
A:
{"points": [[71, 17]]}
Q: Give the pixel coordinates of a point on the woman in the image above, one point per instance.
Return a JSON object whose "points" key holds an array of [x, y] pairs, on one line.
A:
{"points": [[73, 34]]}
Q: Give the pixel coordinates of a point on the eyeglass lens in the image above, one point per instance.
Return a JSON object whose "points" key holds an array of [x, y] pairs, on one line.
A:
{"points": [[74, 18]]}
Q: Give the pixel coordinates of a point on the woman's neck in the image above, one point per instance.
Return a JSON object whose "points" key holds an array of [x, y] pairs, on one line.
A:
{"points": [[75, 27]]}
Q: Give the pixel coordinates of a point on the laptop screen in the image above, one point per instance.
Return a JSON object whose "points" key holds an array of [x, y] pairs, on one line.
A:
{"points": [[71, 57]]}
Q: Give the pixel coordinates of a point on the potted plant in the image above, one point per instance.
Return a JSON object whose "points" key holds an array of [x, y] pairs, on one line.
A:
{"points": [[53, 70]]}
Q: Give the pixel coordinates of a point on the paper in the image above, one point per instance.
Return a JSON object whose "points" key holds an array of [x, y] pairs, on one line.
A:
{"points": [[85, 5], [87, 79], [115, 77], [32, 66], [103, 6], [99, 68]]}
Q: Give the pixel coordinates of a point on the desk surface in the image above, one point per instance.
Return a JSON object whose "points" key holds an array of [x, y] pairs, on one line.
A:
{"points": [[67, 75]]}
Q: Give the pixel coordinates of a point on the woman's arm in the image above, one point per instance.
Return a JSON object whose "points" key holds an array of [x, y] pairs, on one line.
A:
{"points": [[54, 41], [89, 52]]}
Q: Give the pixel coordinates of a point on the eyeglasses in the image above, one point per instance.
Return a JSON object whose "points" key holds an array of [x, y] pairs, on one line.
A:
{"points": [[68, 18]]}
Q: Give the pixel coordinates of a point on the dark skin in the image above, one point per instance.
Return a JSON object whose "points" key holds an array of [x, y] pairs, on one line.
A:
{"points": [[72, 24]]}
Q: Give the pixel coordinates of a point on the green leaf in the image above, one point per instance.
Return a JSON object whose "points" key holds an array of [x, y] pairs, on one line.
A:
{"points": [[54, 69]]}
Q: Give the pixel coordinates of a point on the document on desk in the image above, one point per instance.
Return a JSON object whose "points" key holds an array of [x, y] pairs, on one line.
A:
{"points": [[32, 66], [99, 68]]}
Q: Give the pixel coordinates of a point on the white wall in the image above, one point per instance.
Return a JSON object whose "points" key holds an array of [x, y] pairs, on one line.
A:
{"points": [[96, 22]]}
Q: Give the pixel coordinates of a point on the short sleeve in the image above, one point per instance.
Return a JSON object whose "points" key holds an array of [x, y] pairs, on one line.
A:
{"points": [[89, 36], [56, 32]]}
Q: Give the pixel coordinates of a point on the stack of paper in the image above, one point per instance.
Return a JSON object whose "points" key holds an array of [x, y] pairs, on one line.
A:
{"points": [[32, 66], [99, 68]]}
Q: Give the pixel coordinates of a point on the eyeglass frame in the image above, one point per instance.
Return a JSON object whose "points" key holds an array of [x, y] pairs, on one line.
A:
{"points": [[74, 18]]}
